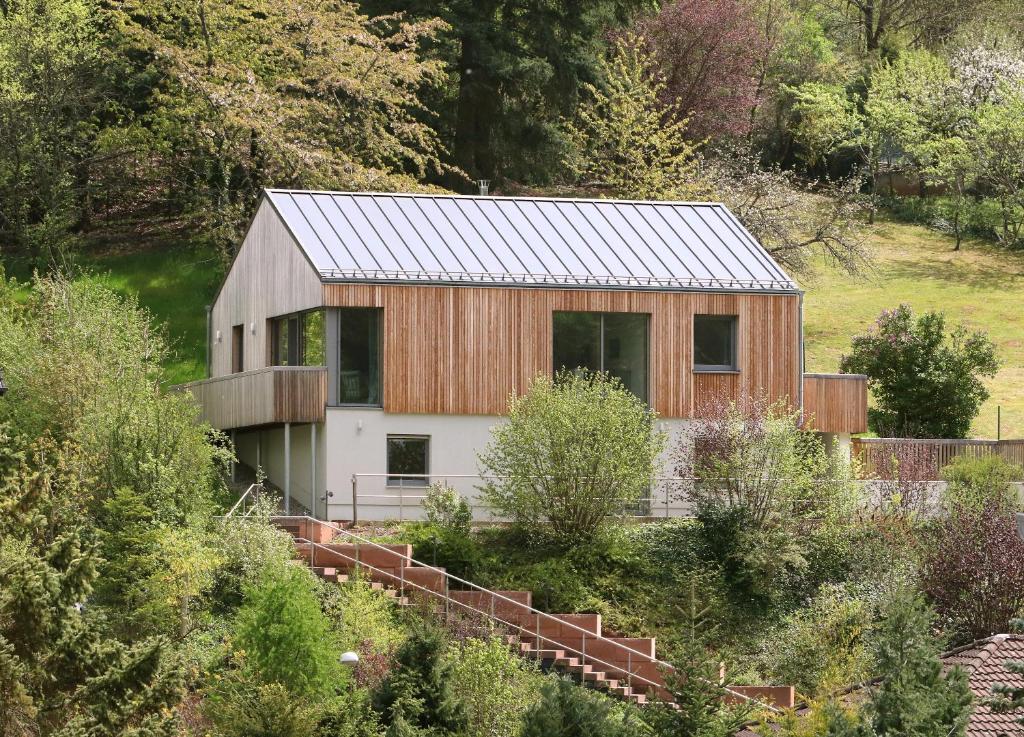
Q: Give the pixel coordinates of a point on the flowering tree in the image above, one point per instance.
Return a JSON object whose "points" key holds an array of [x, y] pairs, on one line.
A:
{"points": [[974, 570], [926, 381], [708, 53]]}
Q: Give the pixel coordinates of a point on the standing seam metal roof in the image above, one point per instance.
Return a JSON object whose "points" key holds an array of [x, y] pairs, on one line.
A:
{"points": [[526, 241]]}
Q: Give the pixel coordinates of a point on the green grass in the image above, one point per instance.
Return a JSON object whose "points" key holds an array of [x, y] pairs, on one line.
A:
{"points": [[981, 286]]}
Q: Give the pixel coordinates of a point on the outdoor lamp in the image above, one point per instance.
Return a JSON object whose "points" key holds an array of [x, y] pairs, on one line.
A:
{"points": [[350, 659]]}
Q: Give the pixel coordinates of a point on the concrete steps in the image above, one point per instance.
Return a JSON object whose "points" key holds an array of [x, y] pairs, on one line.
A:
{"points": [[573, 644]]}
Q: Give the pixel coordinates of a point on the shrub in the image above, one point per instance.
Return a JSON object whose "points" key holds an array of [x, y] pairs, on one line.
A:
{"points": [[975, 482], [926, 381], [568, 710], [248, 548], [241, 705], [285, 636], [495, 686], [973, 570], [446, 509], [904, 474], [575, 451]]}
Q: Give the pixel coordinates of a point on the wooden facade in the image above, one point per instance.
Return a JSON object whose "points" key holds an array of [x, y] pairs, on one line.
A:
{"points": [[264, 396], [464, 350], [836, 402]]}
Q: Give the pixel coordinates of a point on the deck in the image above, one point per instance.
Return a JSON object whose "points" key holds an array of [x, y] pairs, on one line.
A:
{"points": [[266, 396]]}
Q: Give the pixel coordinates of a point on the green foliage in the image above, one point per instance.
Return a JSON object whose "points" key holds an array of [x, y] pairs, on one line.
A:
{"points": [[60, 674], [242, 705], [575, 451], [418, 697], [974, 482], [284, 635], [624, 140], [914, 696], [822, 648], [495, 686], [446, 509], [926, 382], [571, 711], [364, 619]]}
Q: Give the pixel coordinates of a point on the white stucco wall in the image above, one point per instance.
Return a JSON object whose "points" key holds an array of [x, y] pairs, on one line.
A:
{"points": [[271, 457]]}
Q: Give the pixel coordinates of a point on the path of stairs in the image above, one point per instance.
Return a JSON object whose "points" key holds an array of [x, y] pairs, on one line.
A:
{"points": [[574, 644]]}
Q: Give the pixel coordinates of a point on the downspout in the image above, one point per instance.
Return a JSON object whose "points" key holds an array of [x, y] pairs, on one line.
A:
{"points": [[803, 359], [209, 341]]}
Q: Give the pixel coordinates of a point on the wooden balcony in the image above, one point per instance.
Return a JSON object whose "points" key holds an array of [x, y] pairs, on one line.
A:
{"points": [[267, 396], [836, 402]]}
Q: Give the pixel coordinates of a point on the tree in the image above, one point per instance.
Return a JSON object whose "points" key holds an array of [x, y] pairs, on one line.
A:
{"points": [[926, 380], [706, 53], [973, 569], [997, 142], [914, 696], [59, 673], [624, 139], [569, 710], [418, 697], [575, 450]]}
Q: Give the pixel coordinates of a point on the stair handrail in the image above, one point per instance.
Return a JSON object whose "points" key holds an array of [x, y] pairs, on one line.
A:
{"points": [[452, 577], [255, 486]]}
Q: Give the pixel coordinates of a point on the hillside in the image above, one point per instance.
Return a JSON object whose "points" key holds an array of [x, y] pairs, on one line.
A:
{"points": [[981, 286]]}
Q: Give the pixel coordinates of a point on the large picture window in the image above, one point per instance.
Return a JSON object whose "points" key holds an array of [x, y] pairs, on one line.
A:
{"points": [[408, 460], [359, 339], [297, 339], [714, 343], [615, 342]]}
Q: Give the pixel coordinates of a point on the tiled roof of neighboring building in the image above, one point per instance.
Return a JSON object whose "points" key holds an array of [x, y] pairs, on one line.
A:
{"points": [[985, 663], [526, 241]]}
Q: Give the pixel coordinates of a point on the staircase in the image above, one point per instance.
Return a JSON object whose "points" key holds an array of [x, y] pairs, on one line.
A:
{"points": [[574, 644]]}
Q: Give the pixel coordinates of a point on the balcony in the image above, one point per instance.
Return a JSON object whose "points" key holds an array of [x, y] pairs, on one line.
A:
{"points": [[267, 396], [836, 402]]}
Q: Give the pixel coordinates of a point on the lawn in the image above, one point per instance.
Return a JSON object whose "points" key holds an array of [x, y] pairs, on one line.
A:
{"points": [[982, 286]]}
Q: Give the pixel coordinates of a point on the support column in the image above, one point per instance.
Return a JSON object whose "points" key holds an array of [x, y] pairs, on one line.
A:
{"points": [[287, 468], [312, 469]]}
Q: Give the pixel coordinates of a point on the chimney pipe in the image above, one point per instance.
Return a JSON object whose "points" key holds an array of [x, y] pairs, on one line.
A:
{"points": [[485, 186]]}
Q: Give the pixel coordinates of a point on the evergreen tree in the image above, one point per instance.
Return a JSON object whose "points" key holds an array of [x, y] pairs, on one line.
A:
{"points": [[59, 674], [914, 697], [568, 710], [417, 697]]}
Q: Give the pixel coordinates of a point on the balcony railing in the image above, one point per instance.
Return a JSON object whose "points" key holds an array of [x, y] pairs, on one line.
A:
{"points": [[266, 396], [836, 402]]}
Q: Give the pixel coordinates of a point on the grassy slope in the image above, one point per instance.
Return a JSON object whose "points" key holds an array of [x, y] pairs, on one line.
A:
{"points": [[981, 286]]}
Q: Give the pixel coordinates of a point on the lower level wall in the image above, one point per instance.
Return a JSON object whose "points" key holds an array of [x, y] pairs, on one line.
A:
{"points": [[265, 448]]}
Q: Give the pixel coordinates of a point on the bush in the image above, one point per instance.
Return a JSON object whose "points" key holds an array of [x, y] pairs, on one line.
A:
{"points": [[973, 570], [446, 509], [568, 710], [495, 686], [241, 705], [575, 451], [926, 381], [285, 636], [975, 482]]}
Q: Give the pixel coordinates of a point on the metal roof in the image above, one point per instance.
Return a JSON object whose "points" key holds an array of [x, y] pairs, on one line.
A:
{"points": [[526, 241]]}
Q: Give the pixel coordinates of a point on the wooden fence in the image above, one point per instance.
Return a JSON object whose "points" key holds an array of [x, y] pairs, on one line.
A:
{"points": [[932, 455]]}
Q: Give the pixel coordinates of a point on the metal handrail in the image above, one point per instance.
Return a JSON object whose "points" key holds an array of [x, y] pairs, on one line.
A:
{"points": [[495, 595], [242, 499]]}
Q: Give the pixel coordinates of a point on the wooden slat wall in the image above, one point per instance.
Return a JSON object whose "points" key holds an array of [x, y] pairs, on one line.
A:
{"points": [[464, 350], [836, 402], [936, 454], [262, 397]]}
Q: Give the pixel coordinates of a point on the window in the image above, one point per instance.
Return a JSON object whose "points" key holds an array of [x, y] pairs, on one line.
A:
{"points": [[714, 343], [359, 356], [298, 339], [237, 349], [407, 460], [615, 342]]}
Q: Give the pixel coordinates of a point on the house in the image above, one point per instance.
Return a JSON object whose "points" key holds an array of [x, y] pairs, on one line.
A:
{"points": [[363, 344]]}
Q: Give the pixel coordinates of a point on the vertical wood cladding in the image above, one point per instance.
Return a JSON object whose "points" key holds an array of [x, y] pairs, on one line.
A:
{"points": [[836, 402], [464, 350]]}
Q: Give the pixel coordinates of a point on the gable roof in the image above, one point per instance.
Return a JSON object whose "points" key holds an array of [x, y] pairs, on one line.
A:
{"points": [[526, 241]]}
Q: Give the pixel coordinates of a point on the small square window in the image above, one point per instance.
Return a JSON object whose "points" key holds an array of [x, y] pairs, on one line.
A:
{"points": [[407, 460], [714, 343]]}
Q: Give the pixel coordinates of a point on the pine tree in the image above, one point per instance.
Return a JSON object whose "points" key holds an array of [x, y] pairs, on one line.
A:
{"points": [[914, 697], [568, 710], [59, 674], [417, 697]]}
